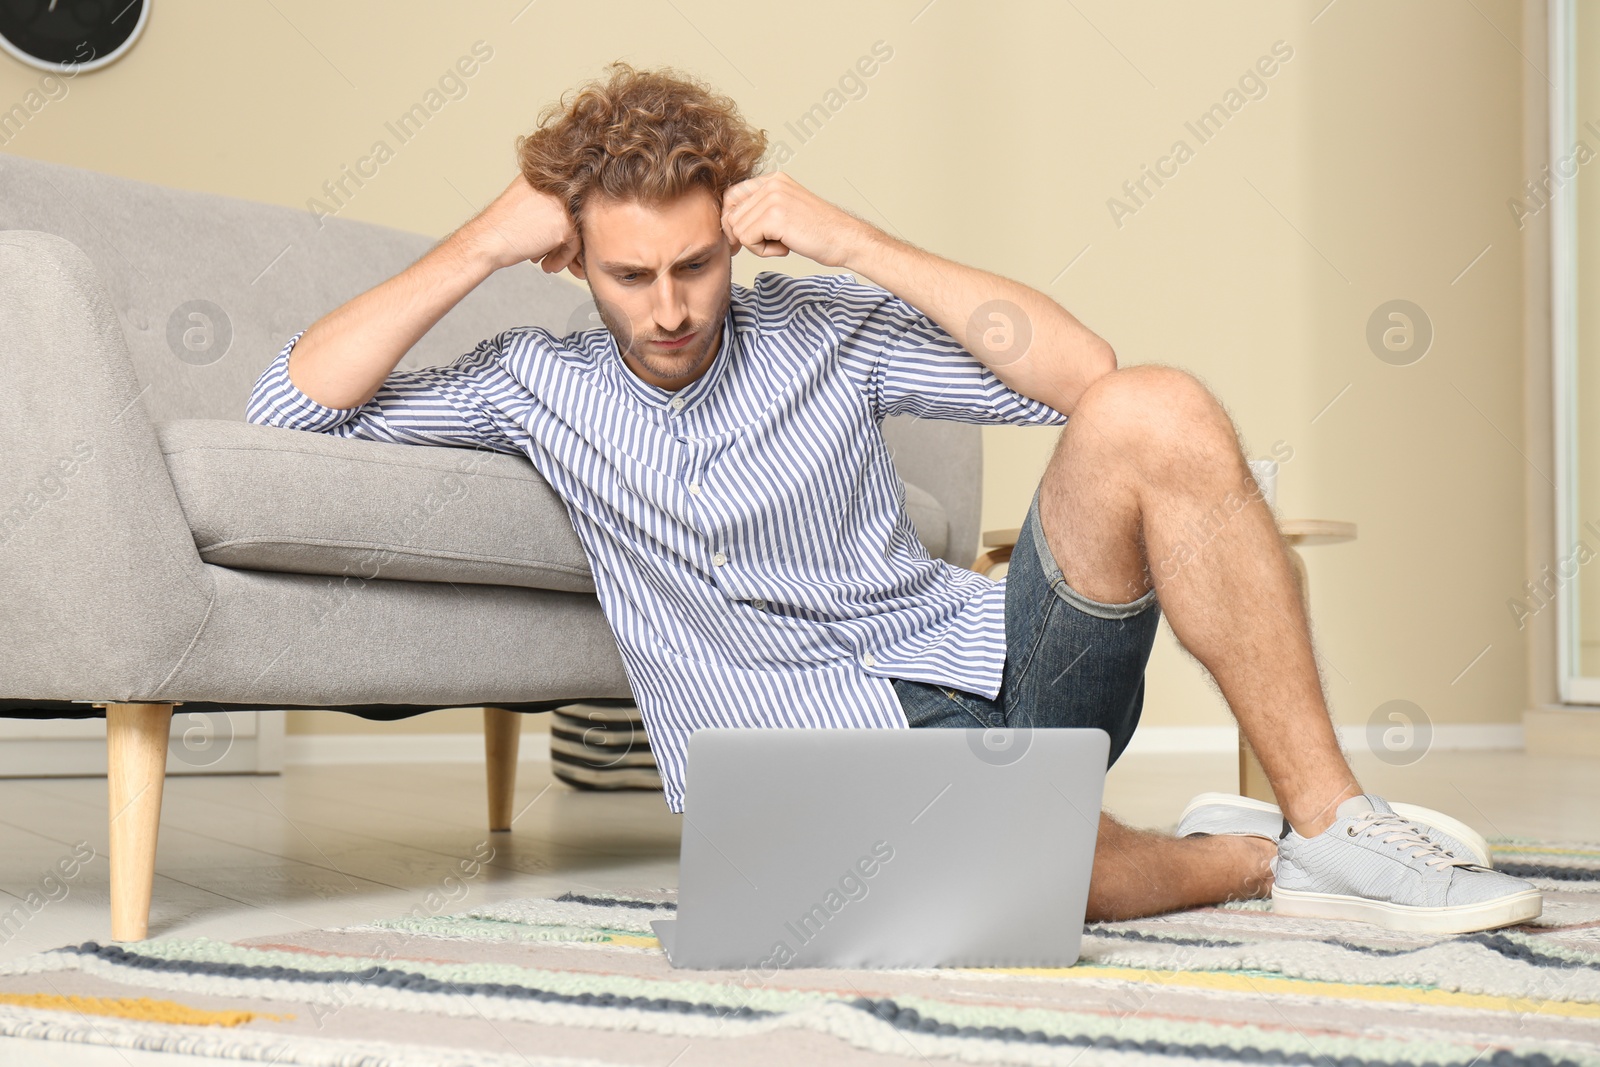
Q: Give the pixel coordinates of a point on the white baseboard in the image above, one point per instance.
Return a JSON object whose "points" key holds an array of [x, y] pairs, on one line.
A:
{"points": [[401, 748], [1158, 740], [1562, 730], [1147, 740], [237, 742]]}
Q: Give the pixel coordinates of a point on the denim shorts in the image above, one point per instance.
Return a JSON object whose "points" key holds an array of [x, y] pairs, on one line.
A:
{"points": [[1070, 661]]}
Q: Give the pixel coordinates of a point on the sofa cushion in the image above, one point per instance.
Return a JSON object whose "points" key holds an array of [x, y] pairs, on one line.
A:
{"points": [[268, 499]]}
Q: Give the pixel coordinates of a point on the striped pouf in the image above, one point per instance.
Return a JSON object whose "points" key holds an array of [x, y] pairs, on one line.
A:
{"points": [[602, 746]]}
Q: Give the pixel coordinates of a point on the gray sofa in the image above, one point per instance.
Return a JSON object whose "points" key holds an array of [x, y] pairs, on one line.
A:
{"points": [[156, 549]]}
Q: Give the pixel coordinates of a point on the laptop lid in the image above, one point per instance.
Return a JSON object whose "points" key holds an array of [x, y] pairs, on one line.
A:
{"points": [[886, 848]]}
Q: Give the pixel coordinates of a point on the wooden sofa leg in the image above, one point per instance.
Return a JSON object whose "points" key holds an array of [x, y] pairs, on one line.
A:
{"points": [[136, 764], [502, 731]]}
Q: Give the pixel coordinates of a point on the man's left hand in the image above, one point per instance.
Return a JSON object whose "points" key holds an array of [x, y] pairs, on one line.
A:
{"points": [[772, 214]]}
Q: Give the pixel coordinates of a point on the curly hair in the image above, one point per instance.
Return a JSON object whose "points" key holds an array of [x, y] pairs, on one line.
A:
{"points": [[645, 135]]}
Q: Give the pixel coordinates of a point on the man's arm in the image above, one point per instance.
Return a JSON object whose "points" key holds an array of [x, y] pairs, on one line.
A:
{"points": [[342, 360], [1044, 352]]}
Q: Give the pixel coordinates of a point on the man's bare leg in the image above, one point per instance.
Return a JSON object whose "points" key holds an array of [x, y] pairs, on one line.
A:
{"points": [[1148, 486], [1140, 872]]}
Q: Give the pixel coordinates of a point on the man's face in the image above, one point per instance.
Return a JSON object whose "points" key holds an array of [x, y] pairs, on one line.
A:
{"points": [[661, 277]]}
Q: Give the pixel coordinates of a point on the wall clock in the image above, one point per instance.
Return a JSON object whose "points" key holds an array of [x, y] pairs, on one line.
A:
{"points": [[70, 36]]}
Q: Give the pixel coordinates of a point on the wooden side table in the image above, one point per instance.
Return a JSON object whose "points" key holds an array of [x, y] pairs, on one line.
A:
{"points": [[1297, 534]]}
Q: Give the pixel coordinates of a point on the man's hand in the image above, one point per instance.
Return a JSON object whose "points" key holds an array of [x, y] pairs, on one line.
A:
{"points": [[348, 353], [523, 223], [773, 214]]}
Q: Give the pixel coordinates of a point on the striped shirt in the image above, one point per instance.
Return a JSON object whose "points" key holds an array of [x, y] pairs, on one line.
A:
{"points": [[748, 533]]}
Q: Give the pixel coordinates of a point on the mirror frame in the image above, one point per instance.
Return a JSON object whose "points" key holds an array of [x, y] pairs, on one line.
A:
{"points": [[1574, 687]]}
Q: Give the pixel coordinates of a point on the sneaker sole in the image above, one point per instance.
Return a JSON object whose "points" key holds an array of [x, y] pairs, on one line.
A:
{"points": [[1451, 919], [1232, 800], [1454, 827]]}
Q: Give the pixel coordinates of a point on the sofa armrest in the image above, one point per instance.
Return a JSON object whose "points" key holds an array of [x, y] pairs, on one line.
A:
{"points": [[101, 587]]}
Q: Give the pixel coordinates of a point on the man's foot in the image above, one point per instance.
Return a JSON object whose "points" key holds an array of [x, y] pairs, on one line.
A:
{"points": [[1374, 865], [1229, 813]]}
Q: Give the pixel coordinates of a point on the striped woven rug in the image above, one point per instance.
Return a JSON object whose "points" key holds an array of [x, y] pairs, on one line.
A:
{"points": [[580, 980]]}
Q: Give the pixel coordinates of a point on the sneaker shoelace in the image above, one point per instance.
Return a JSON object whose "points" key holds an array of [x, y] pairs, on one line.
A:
{"points": [[1406, 836]]}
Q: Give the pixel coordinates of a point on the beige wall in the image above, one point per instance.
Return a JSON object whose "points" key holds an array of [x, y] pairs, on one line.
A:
{"points": [[1376, 166]]}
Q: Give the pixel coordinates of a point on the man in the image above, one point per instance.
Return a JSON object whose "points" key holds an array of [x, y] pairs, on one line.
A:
{"points": [[718, 450]]}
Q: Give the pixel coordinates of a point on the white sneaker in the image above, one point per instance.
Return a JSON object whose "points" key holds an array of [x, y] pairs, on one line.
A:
{"points": [[1375, 865], [1229, 813]]}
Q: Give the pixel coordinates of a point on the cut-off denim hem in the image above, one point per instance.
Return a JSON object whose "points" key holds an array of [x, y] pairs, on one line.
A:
{"points": [[1070, 661]]}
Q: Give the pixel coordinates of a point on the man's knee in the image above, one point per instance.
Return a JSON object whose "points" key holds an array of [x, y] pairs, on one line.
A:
{"points": [[1161, 415], [1150, 397]]}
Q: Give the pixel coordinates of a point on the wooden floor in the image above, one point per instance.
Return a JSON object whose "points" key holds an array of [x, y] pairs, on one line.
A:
{"points": [[326, 846]]}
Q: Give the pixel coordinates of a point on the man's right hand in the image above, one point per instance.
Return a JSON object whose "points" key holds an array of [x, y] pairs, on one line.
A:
{"points": [[348, 353], [523, 223]]}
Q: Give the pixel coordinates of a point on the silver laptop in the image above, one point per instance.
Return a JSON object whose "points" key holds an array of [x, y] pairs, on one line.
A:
{"points": [[886, 848]]}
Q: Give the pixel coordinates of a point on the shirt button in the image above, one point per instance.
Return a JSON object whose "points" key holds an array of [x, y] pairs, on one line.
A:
{"points": [[867, 660], [677, 403], [719, 559], [694, 488], [759, 605]]}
